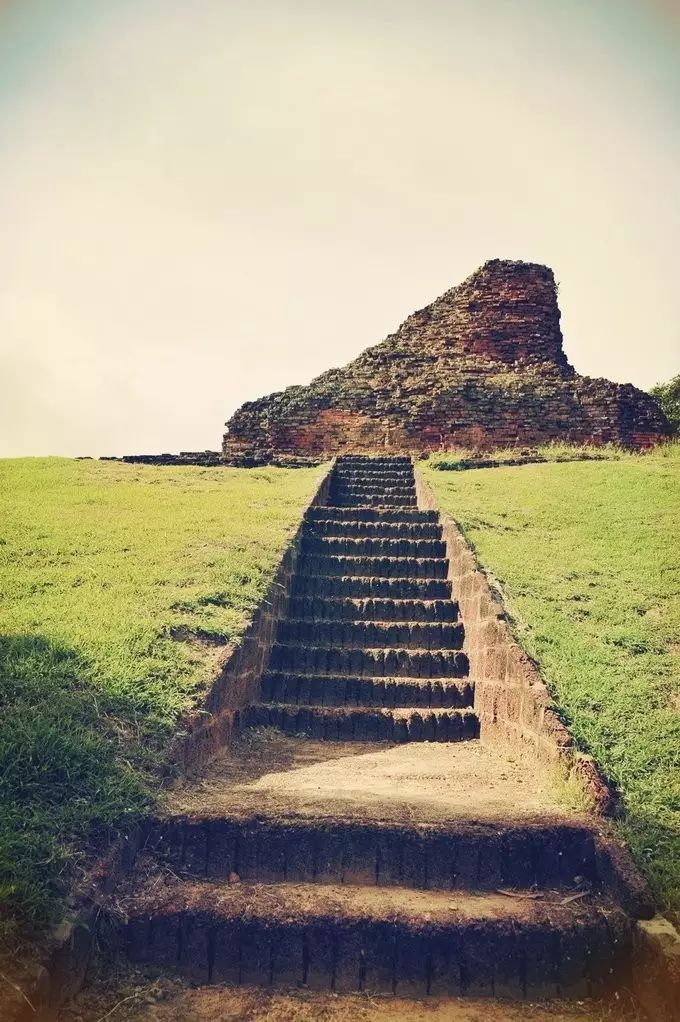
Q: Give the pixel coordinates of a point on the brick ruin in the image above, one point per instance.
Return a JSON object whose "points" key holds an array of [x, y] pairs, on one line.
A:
{"points": [[482, 367]]}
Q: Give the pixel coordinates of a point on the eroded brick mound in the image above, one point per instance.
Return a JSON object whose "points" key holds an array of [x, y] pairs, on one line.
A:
{"points": [[482, 366]]}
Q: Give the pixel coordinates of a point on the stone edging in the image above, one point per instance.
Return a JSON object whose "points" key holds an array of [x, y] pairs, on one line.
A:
{"points": [[210, 728], [515, 709]]}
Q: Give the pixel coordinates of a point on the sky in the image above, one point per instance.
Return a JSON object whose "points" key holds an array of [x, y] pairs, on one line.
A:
{"points": [[203, 202]]}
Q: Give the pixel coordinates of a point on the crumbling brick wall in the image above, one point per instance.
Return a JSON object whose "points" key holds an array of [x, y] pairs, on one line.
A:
{"points": [[483, 366]]}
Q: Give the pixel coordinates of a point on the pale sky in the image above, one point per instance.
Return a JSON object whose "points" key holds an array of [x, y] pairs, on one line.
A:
{"points": [[202, 201]]}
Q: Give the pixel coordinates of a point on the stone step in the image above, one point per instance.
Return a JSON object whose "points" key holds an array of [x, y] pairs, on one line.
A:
{"points": [[374, 530], [374, 567], [360, 546], [373, 468], [363, 587], [366, 495], [452, 855], [421, 635], [374, 462], [337, 500], [387, 477], [330, 690], [372, 663], [365, 723], [372, 609], [405, 516], [374, 471], [372, 486], [394, 940]]}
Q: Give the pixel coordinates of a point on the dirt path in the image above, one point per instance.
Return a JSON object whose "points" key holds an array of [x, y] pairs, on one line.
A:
{"points": [[131, 999], [268, 773]]}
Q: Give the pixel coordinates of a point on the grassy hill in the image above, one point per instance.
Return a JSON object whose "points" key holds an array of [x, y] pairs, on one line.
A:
{"points": [[588, 557], [99, 562]]}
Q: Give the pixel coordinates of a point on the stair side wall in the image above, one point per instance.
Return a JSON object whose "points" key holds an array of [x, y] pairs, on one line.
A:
{"points": [[211, 726]]}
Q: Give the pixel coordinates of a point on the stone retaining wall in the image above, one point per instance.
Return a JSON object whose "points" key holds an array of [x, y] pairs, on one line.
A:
{"points": [[211, 726]]}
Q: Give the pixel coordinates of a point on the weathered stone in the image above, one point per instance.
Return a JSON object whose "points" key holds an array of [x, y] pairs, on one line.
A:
{"points": [[481, 367]]}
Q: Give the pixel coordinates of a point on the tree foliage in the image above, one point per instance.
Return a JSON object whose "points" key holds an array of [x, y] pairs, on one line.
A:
{"points": [[668, 396]]}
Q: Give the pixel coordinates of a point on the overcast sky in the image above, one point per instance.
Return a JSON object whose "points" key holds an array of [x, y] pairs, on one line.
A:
{"points": [[202, 201]]}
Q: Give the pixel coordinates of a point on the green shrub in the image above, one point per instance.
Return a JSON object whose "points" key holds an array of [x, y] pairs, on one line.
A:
{"points": [[668, 396]]}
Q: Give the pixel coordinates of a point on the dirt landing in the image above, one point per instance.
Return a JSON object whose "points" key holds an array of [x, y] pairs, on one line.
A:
{"points": [[423, 782], [166, 1000]]}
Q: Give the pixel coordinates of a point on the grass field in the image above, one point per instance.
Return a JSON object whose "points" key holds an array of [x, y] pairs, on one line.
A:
{"points": [[588, 557], [98, 562]]}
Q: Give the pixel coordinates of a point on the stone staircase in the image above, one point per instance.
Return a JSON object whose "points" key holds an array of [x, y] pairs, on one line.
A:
{"points": [[336, 853], [371, 647]]}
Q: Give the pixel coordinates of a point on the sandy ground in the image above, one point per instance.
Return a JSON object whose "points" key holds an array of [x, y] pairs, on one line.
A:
{"points": [[419, 782], [131, 999]]}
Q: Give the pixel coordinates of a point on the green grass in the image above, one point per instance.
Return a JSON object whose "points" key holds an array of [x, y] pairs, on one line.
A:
{"points": [[99, 562], [588, 557]]}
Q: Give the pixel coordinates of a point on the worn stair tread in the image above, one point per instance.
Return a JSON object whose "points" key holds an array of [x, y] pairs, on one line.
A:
{"points": [[371, 496], [375, 460], [427, 783], [261, 845], [373, 546], [319, 608], [395, 712], [360, 938], [380, 502], [402, 559], [346, 937], [357, 469], [416, 635], [345, 690], [363, 587], [374, 661], [225, 1001], [418, 910], [373, 486], [366, 723], [386, 478], [371, 514], [404, 480], [550, 825], [335, 528], [374, 567]]}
